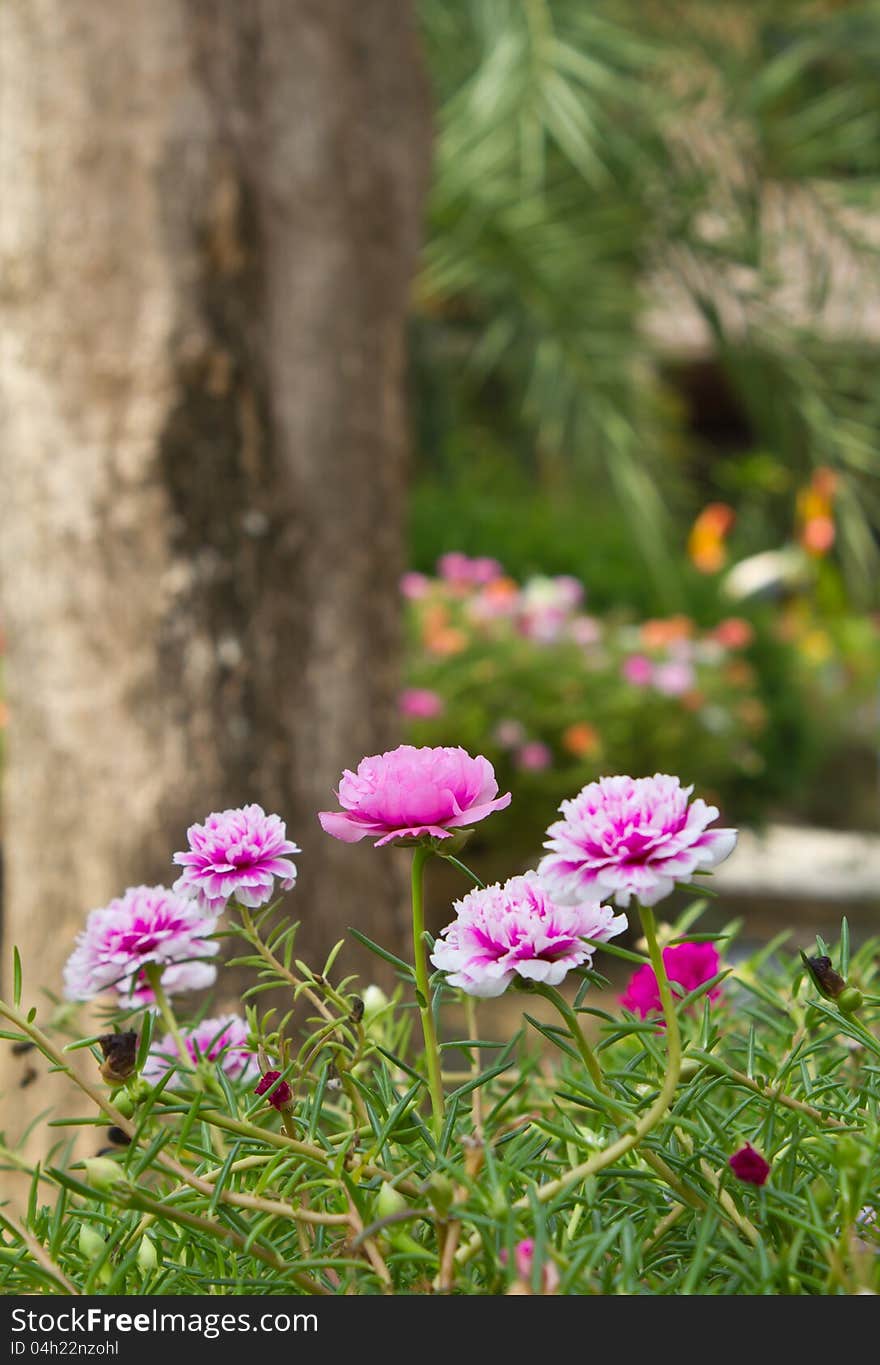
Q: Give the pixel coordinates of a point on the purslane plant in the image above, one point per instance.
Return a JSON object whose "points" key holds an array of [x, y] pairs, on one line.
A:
{"points": [[713, 1130]]}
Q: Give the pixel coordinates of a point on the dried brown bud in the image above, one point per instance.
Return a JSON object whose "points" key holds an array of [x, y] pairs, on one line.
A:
{"points": [[357, 1009], [120, 1056], [827, 981]]}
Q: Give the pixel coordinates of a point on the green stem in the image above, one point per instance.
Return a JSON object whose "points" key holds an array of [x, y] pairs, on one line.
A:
{"points": [[576, 1033], [420, 961], [154, 976], [598, 1162]]}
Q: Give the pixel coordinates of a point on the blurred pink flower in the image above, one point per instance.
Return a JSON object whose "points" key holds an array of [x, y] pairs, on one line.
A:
{"points": [[414, 585], [688, 964], [516, 930], [674, 677], [509, 733], [410, 793], [638, 670], [524, 1259], [236, 853], [223, 1040], [585, 631], [147, 925], [534, 756], [631, 837], [419, 703], [461, 570]]}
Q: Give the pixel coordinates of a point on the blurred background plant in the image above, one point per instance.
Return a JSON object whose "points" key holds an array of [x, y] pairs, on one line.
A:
{"points": [[643, 343]]}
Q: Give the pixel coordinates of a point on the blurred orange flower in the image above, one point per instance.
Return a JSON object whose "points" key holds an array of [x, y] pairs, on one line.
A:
{"points": [[815, 512], [734, 633], [706, 546], [661, 632], [582, 740]]}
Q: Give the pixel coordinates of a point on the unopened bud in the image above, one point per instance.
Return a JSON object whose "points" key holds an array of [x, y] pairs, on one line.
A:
{"points": [[442, 1191], [831, 984], [850, 1000], [374, 1000], [91, 1243], [102, 1173], [120, 1055], [389, 1201], [147, 1257], [689, 1068]]}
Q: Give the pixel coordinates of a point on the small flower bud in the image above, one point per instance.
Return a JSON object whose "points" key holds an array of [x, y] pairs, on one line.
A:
{"points": [[827, 981], [147, 1257], [850, 1000], [102, 1173], [689, 1068], [124, 1102], [442, 1191], [749, 1166], [389, 1201], [91, 1243]]}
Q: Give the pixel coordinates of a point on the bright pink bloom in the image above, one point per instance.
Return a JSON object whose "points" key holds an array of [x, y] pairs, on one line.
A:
{"points": [[638, 670], [419, 703], [148, 924], [222, 1040], [236, 853], [534, 757], [749, 1166], [631, 837], [412, 792], [279, 1096], [516, 930], [688, 964], [414, 585]]}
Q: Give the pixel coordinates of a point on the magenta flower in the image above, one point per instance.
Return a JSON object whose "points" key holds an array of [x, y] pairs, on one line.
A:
{"points": [[236, 853], [638, 670], [409, 793], [280, 1096], [414, 585], [631, 837], [222, 1040], [516, 930], [749, 1166], [688, 964], [420, 703], [149, 924]]}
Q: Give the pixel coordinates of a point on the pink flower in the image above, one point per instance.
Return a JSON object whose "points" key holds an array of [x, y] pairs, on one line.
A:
{"points": [[279, 1096], [638, 670], [631, 837], [409, 793], [414, 585], [236, 853], [524, 1259], [222, 1040], [509, 733], [516, 930], [149, 924], [674, 677], [585, 631], [462, 571], [534, 757], [688, 964], [749, 1166], [419, 703]]}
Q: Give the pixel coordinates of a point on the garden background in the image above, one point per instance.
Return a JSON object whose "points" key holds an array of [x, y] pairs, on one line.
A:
{"points": [[489, 373]]}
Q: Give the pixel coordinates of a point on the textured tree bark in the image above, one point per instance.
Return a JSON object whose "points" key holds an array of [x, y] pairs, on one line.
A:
{"points": [[208, 227]]}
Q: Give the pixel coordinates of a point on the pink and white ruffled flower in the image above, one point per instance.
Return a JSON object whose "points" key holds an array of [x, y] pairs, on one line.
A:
{"points": [[222, 1040], [626, 836], [410, 793], [147, 925], [236, 853], [501, 932]]}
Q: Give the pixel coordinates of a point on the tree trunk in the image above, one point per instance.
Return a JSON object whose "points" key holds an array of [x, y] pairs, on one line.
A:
{"points": [[209, 222]]}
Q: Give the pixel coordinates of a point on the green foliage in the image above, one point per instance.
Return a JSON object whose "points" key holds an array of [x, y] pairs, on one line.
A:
{"points": [[354, 1193], [585, 153]]}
